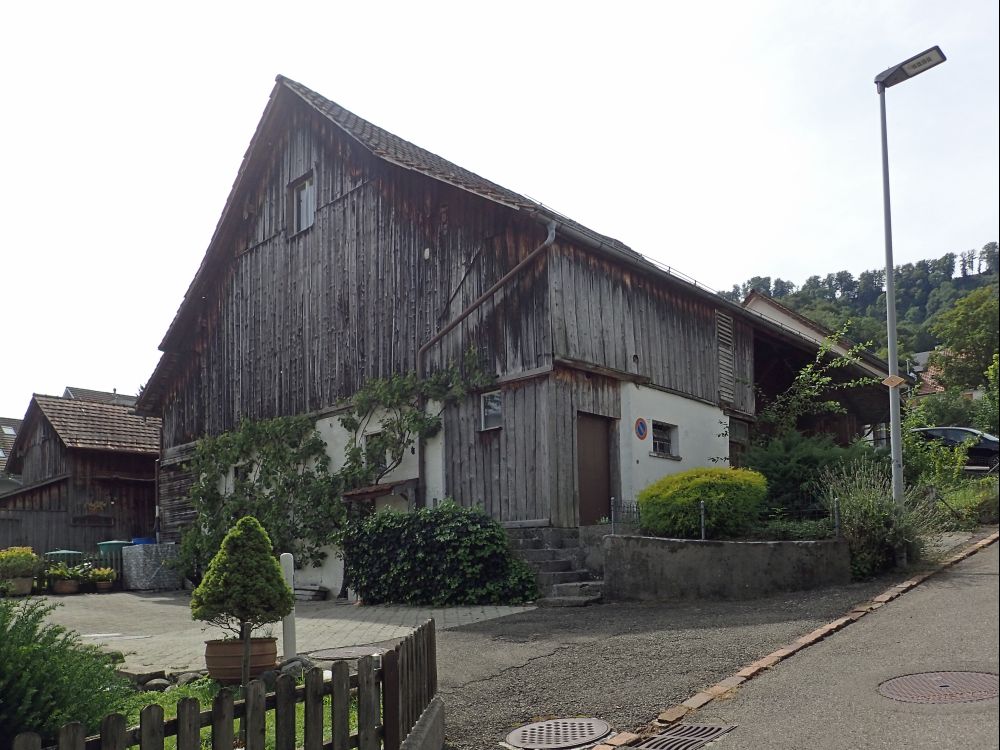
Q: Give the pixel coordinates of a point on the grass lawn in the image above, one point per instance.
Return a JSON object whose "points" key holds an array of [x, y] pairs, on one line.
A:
{"points": [[205, 691]]}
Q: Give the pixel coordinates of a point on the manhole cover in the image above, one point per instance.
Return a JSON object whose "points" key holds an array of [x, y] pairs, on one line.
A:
{"points": [[559, 734], [686, 737], [941, 687]]}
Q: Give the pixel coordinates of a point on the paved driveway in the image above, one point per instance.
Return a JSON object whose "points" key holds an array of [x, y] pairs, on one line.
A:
{"points": [[155, 630]]}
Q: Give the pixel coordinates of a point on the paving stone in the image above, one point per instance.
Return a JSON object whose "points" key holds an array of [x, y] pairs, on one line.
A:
{"points": [[673, 714], [698, 700]]}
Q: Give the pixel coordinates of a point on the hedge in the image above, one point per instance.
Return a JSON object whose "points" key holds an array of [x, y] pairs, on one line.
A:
{"points": [[734, 500]]}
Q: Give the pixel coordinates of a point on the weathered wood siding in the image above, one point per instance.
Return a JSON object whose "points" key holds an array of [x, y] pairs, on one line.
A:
{"points": [[102, 496], [507, 470], [527, 469], [44, 453], [296, 323], [175, 479], [605, 314]]}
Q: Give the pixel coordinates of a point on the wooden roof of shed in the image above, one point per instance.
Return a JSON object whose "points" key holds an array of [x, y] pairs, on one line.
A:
{"points": [[95, 426]]}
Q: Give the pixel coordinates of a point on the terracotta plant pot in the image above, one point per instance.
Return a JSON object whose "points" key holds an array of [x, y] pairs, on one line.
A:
{"points": [[65, 586], [224, 659], [20, 586], [103, 587]]}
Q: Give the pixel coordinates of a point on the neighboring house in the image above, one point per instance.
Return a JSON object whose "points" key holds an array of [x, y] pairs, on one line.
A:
{"points": [[101, 397], [8, 431], [345, 253], [88, 473]]}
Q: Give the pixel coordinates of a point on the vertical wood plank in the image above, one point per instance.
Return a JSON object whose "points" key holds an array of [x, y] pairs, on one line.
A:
{"points": [[368, 709], [432, 660], [72, 736], [113, 732], [188, 724], [284, 712], [150, 727], [313, 710], [222, 721], [255, 716], [27, 741], [340, 707], [390, 699]]}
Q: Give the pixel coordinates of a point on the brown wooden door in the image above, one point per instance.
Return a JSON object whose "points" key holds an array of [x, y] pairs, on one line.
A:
{"points": [[593, 457]]}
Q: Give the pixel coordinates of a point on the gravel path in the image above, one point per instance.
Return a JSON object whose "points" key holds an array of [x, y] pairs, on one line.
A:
{"points": [[622, 663]]}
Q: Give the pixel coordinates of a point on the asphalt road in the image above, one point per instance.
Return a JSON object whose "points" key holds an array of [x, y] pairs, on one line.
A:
{"points": [[826, 697], [622, 663]]}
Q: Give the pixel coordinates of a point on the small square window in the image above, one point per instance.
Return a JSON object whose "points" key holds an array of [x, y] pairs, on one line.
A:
{"points": [[491, 408], [302, 204], [8, 430], [665, 440]]}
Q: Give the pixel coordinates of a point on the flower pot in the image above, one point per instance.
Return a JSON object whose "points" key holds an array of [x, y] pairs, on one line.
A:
{"points": [[63, 586], [20, 586], [224, 659], [103, 587]]}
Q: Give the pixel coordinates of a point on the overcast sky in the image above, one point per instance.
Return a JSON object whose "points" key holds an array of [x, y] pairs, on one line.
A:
{"points": [[725, 139]]}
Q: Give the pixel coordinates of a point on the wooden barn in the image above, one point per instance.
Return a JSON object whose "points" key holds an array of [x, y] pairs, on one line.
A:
{"points": [[88, 473], [345, 253]]}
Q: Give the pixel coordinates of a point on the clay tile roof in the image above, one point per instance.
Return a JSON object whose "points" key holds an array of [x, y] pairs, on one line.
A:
{"points": [[96, 426], [103, 397]]}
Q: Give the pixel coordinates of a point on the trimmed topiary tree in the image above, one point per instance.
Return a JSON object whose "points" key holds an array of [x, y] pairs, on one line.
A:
{"points": [[243, 587], [734, 500]]}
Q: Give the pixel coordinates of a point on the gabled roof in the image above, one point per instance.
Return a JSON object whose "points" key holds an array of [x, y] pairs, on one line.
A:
{"points": [[90, 425], [101, 397], [7, 441]]}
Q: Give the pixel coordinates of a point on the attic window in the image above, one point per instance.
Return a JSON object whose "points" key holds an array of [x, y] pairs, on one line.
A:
{"points": [[2, 454], [8, 430], [302, 203]]}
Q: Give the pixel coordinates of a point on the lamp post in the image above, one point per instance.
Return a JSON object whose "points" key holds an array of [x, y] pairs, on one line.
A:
{"points": [[890, 77]]}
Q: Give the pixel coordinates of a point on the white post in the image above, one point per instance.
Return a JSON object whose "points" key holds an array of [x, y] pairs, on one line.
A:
{"points": [[288, 645]]}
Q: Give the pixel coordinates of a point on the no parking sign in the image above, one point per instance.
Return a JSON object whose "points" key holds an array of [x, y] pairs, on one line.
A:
{"points": [[641, 428]]}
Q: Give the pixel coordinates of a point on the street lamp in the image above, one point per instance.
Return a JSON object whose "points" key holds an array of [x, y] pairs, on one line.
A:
{"points": [[890, 77]]}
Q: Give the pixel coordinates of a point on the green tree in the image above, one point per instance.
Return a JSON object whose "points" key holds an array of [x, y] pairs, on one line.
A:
{"points": [[987, 409], [968, 334], [243, 587]]}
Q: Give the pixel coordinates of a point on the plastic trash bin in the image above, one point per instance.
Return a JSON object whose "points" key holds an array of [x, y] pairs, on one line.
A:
{"points": [[113, 545], [144, 540]]}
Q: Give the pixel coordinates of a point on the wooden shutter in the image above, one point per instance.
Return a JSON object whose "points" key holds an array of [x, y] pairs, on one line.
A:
{"points": [[727, 359]]}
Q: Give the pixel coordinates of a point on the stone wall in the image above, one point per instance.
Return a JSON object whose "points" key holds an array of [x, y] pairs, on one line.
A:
{"points": [[146, 567], [650, 568]]}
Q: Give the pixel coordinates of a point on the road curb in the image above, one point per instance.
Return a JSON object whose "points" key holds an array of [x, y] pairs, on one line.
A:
{"points": [[676, 713]]}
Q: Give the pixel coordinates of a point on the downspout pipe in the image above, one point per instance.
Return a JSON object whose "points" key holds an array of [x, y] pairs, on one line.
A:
{"points": [[550, 238]]}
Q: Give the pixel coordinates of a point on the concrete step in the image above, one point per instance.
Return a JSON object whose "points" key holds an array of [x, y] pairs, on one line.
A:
{"points": [[546, 580], [523, 543], [552, 566], [532, 556], [567, 601], [578, 588]]}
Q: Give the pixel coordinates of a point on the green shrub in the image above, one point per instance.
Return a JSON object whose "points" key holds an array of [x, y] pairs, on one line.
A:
{"points": [[970, 504], [18, 562], [734, 499], [48, 678], [930, 463], [434, 556], [787, 529], [874, 525], [792, 464]]}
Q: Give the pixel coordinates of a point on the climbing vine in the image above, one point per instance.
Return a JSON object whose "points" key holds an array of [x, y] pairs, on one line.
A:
{"points": [[278, 470]]}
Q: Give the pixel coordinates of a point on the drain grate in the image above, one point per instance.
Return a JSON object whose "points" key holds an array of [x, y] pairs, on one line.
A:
{"points": [[559, 734], [686, 737], [941, 687]]}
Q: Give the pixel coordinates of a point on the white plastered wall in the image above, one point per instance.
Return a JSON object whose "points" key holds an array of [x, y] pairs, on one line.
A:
{"points": [[701, 436]]}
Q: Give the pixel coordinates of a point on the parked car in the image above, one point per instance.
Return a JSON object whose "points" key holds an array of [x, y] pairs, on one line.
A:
{"points": [[984, 449]]}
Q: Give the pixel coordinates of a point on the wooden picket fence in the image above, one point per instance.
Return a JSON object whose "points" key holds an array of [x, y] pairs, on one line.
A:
{"points": [[390, 700]]}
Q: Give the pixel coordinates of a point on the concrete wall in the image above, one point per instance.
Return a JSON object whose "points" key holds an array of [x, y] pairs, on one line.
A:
{"points": [[699, 427], [652, 569]]}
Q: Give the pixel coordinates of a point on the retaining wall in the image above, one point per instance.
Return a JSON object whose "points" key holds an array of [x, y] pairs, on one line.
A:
{"points": [[651, 568]]}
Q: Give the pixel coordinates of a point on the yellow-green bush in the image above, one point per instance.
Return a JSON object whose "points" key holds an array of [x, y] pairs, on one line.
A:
{"points": [[734, 500]]}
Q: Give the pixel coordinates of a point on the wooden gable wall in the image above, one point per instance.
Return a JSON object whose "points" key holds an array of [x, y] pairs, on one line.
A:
{"points": [[295, 324], [44, 454]]}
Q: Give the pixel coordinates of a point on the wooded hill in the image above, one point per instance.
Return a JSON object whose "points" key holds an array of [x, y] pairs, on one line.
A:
{"points": [[924, 290]]}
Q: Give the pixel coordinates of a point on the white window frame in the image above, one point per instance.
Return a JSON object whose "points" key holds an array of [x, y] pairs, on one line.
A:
{"points": [[672, 439], [8, 430], [483, 427], [302, 203]]}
